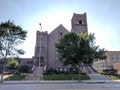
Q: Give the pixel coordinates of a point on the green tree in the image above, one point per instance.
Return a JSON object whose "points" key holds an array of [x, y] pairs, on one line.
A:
{"points": [[90, 51], [11, 35], [12, 63], [67, 47], [78, 50]]}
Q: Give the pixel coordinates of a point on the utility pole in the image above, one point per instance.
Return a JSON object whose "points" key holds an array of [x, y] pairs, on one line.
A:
{"points": [[40, 52]]}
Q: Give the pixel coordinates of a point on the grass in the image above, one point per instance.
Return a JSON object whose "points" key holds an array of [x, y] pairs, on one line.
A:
{"points": [[16, 77], [65, 77], [114, 77]]}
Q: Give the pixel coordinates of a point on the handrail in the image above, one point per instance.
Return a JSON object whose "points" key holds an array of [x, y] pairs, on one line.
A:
{"points": [[33, 68]]}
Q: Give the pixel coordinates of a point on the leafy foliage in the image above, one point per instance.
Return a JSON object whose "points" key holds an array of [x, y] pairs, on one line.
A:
{"points": [[16, 77], [12, 63], [11, 35], [79, 50], [24, 69], [67, 48]]}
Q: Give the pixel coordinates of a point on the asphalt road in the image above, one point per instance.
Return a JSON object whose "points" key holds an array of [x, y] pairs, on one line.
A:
{"points": [[75, 86]]}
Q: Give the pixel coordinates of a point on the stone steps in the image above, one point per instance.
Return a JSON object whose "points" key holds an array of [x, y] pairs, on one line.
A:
{"points": [[89, 70], [34, 75], [98, 77]]}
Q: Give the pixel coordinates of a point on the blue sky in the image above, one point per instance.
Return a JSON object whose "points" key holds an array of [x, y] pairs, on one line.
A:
{"points": [[103, 17]]}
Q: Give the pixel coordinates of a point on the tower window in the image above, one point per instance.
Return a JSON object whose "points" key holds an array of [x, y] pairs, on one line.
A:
{"points": [[61, 33], [80, 22]]}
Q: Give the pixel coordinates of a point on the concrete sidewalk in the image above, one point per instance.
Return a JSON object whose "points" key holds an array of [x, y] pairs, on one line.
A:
{"points": [[63, 86], [60, 81]]}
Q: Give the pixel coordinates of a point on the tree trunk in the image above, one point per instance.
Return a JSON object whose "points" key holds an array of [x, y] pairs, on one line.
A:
{"points": [[4, 67], [2, 74], [79, 73]]}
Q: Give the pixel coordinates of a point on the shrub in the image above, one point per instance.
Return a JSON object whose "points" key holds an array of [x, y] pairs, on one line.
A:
{"points": [[24, 69], [46, 73], [74, 72], [66, 73], [83, 73], [17, 73], [110, 71], [52, 71], [12, 63]]}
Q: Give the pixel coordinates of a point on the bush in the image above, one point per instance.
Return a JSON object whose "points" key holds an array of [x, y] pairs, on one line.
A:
{"points": [[110, 72], [52, 71], [12, 63], [66, 73], [17, 73], [74, 72], [24, 69], [46, 73], [101, 73], [83, 73]]}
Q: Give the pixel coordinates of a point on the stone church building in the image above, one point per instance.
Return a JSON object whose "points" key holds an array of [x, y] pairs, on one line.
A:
{"points": [[45, 50], [46, 54]]}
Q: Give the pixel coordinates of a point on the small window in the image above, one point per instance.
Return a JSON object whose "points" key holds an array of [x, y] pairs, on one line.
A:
{"points": [[118, 56], [41, 58], [27, 62], [80, 21], [61, 33], [31, 62], [113, 56], [108, 56]]}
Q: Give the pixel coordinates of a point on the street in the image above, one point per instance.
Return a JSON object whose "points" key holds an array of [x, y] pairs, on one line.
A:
{"points": [[64, 86]]}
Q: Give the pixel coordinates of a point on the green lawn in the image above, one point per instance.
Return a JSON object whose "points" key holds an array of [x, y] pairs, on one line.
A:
{"points": [[16, 77], [65, 77], [114, 77]]}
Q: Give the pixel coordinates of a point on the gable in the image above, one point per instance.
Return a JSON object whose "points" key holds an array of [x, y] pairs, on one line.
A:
{"points": [[60, 30]]}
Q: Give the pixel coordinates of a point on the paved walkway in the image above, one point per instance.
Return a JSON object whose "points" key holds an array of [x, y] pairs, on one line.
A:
{"points": [[99, 77], [5, 76]]}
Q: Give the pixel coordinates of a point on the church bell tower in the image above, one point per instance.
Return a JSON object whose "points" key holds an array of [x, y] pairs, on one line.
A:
{"points": [[79, 23]]}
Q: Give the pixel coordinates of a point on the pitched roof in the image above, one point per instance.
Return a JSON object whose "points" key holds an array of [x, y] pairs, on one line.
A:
{"points": [[60, 27]]}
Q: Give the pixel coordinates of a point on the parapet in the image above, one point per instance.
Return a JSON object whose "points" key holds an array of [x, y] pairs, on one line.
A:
{"points": [[41, 32]]}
